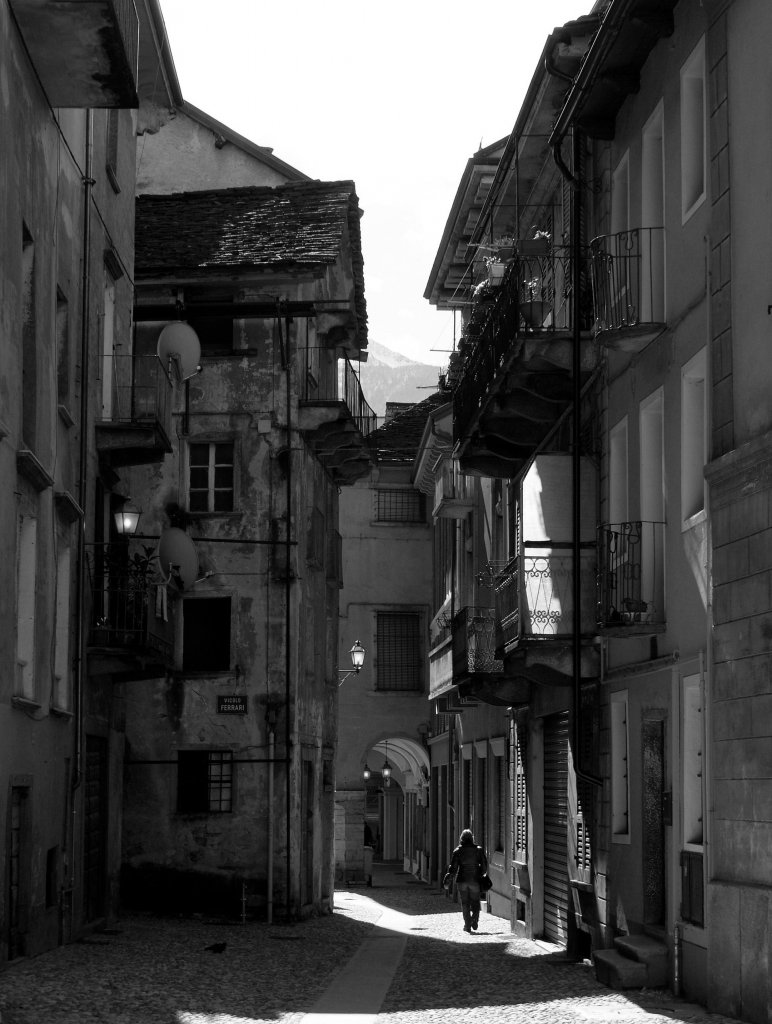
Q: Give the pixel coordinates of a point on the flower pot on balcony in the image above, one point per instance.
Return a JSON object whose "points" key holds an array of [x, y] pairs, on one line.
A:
{"points": [[533, 246], [496, 273], [534, 313]]}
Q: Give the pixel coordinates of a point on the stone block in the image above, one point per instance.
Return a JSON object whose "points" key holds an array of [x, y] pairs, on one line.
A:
{"points": [[732, 561], [648, 951], [732, 719], [617, 971], [724, 949]]}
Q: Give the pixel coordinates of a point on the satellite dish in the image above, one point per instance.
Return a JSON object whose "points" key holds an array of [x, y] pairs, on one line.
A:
{"points": [[180, 349], [177, 558]]}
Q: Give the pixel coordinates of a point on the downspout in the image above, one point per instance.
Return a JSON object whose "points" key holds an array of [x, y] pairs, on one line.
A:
{"points": [[80, 582], [287, 618], [576, 462], [271, 770]]}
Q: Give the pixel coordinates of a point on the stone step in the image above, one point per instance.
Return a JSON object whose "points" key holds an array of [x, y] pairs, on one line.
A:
{"points": [[648, 951], [618, 971]]}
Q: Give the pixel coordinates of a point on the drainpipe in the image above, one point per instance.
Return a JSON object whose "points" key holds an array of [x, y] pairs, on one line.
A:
{"points": [[284, 346], [80, 580], [576, 463], [269, 880]]}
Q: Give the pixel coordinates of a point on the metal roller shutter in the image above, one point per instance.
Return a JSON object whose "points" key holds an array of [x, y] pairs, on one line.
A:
{"points": [[556, 828]]}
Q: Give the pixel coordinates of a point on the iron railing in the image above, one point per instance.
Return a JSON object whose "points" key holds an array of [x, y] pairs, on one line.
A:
{"points": [[474, 642], [136, 389], [535, 595], [631, 574], [130, 608], [534, 296], [330, 379], [628, 279]]}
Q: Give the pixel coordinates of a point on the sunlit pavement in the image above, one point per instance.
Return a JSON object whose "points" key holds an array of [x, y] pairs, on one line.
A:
{"points": [[393, 953]]}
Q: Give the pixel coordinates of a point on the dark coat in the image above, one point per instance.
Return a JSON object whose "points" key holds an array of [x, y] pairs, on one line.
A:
{"points": [[468, 863]]}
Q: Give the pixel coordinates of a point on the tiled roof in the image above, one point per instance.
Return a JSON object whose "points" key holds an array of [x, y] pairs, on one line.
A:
{"points": [[398, 440], [298, 225]]}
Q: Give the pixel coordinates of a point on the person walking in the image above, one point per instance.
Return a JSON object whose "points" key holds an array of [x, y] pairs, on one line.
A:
{"points": [[468, 864]]}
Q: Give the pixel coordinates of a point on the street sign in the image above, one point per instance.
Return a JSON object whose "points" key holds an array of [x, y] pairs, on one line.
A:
{"points": [[236, 704]]}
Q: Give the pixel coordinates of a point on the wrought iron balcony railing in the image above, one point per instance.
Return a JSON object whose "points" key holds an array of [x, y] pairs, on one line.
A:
{"points": [[631, 576], [474, 643], [136, 389], [534, 297], [628, 280], [535, 595], [328, 379], [130, 609]]}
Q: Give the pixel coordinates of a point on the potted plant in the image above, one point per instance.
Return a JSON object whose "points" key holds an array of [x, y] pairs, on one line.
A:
{"points": [[539, 245], [534, 311], [495, 270]]}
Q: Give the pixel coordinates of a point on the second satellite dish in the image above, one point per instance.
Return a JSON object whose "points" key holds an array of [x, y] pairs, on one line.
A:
{"points": [[180, 349], [177, 558]]}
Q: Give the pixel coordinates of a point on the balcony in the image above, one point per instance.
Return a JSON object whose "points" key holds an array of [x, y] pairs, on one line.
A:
{"points": [[83, 51], [451, 500], [631, 579], [518, 353], [135, 428], [535, 596], [132, 617], [334, 414], [628, 284]]}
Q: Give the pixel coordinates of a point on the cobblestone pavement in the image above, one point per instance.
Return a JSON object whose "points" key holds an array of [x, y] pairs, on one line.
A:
{"points": [[157, 971]]}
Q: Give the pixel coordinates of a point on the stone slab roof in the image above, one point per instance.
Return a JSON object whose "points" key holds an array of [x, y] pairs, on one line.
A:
{"points": [[298, 226], [398, 439]]}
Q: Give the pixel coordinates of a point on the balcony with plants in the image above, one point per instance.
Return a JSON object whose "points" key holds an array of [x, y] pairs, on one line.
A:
{"points": [[334, 414], [135, 424], [517, 355], [84, 52], [132, 607], [631, 573]]}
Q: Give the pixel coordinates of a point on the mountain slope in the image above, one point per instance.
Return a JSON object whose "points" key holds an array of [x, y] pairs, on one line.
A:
{"points": [[391, 377]]}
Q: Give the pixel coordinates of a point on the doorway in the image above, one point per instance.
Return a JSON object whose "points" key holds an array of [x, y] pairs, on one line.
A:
{"points": [[653, 743]]}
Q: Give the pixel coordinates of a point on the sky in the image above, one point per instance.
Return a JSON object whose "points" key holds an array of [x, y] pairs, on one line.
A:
{"points": [[395, 96]]}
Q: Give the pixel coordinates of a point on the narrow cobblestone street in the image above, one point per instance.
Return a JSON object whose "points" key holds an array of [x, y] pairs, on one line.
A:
{"points": [[396, 952]]}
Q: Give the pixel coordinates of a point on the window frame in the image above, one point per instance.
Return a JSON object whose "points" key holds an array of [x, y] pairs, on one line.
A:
{"points": [[417, 516], [211, 491], [619, 713], [694, 133], [694, 439], [399, 642], [224, 783]]}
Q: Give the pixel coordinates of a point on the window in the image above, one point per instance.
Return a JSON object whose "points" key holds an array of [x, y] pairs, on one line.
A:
{"points": [[620, 196], [25, 607], [693, 436], [693, 134], [61, 695], [618, 506], [653, 212], [620, 781], [652, 500], [211, 476], [479, 824], [500, 782], [29, 385], [398, 651], [62, 348], [204, 781], [111, 148], [206, 640], [216, 333], [693, 745], [399, 505], [109, 369]]}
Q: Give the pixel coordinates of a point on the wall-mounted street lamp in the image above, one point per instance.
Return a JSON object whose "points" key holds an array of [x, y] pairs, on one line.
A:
{"points": [[127, 519], [366, 773], [357, 653], [386, 769]]}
